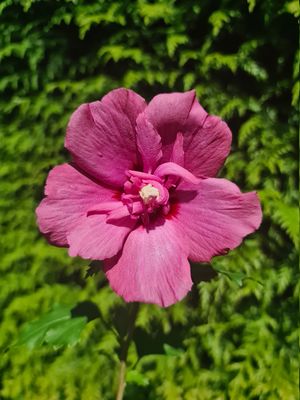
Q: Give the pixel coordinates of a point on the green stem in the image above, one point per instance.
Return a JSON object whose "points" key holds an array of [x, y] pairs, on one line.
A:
{"points": [[133, 312]]}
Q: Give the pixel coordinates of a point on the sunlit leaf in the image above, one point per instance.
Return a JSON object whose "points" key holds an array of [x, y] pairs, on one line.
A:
{"points": [[236, 277], [56, 328], [172, 351], [136, 377]]}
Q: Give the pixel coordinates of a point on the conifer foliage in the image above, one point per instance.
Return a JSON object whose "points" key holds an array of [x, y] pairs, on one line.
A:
{"points": [[234, 337]]}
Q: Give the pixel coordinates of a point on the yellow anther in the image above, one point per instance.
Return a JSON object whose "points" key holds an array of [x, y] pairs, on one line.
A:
{"points": [[149, 193]]}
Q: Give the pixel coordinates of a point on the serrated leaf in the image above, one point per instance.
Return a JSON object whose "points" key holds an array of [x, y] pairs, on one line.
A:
{"points": [[218, 19], [173, 41], [67, 333], [56, 328], [288, 217], [237, 277]]}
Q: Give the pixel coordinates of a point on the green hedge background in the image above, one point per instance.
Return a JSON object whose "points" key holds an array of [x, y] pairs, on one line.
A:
{"points": [[225, 340]]}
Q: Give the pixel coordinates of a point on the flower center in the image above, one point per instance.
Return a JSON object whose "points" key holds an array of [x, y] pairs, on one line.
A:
{"points": [[149, 193], [145, 195]]}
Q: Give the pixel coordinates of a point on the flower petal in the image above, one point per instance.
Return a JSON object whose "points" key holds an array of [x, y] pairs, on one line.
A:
{"points": [[98, 133], [170, 168], [70, 195], [215, 217], [96, 239], [153, 266], [177, 155], [148, 142], [207, 139], [208, 148], [171, 113]]}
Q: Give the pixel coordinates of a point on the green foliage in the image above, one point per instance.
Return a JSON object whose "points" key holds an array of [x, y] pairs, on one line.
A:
{"points": [[137, 378], [223, 341], [56, 328], [237, 277]]}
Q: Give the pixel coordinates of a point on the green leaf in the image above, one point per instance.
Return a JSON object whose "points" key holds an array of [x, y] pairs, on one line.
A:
{"points": [[173, 41], [288, 217], [67, 333], [295, 94], [251, 5], [236, 277], [137, 378], [293, 7], [56, 328], [218, 19], [172, 351]]}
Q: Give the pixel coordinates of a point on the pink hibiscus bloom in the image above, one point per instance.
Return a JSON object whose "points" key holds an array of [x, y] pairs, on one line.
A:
{"points": [[141, 195]]}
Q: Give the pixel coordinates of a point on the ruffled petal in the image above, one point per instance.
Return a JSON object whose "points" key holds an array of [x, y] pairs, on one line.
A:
{"points": [[215, 217], [206, 139], [70, 195], [96, 239], [153, 266], [207, 149], [148, 142], [101, 136], [170, 168], [171, 113]]}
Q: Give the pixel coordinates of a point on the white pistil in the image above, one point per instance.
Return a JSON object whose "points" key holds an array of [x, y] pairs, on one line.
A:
{"points": [[149, 193]]}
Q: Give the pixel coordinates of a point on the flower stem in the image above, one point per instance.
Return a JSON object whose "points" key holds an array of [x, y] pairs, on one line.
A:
{"points": [[133, 312]]}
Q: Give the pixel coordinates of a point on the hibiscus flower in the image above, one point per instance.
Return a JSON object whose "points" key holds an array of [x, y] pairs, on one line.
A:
{"points": [[141, 193]]}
